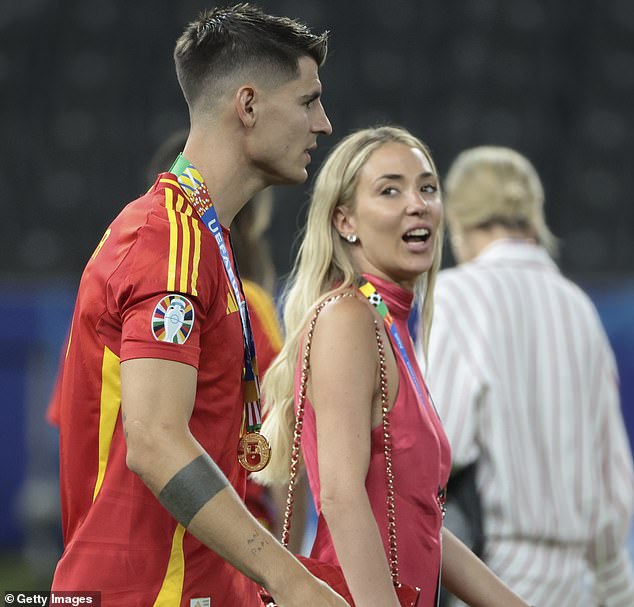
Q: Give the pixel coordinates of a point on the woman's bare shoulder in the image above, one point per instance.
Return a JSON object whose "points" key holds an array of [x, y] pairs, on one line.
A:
{"points": [[346, 307]]}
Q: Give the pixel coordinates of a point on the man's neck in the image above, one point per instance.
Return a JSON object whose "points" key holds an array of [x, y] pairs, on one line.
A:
{"points": [[229, 182]]}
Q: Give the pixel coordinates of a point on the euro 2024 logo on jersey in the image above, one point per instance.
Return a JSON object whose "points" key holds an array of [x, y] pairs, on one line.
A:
{"points": [[173, 319]]}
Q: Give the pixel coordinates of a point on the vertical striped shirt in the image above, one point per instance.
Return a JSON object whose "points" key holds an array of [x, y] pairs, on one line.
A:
{"points": [[526, 383]]}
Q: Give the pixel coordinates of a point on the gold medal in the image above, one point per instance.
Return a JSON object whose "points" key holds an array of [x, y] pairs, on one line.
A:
{"points": [[254, 451]]}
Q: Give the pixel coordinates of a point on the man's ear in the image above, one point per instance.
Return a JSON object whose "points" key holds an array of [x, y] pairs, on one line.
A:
{"points": [[245, 98], [343, 221]]}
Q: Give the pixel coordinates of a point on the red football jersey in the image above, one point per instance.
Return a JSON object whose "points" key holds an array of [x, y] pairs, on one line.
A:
{"points": [[155, 287]]}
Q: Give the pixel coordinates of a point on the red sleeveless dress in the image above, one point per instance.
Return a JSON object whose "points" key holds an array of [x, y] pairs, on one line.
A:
{"points": [[421, 459]]}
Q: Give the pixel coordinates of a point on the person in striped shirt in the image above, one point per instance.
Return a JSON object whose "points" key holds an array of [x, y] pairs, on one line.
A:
{"points": [[525, 380], [152, 394]]}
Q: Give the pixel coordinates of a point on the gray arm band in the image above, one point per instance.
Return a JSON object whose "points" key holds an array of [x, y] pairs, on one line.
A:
{"points": [[191, 488]]}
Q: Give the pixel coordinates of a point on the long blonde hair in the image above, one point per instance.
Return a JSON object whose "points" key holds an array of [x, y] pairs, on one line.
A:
{"points": [[324, 264]]}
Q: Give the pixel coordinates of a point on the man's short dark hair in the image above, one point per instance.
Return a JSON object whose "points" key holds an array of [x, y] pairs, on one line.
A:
{"points": [[225, 40]]}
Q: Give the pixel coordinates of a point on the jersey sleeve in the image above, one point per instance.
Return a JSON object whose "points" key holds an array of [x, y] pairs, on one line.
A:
{"points": [[163, 290]]}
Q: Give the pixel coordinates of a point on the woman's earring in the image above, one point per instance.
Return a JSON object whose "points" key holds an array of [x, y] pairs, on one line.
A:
{"points": [[351, 238]]}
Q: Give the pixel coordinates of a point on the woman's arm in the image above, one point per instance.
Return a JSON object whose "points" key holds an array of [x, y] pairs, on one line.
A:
{"points": [[466, 576], [343, 385]]}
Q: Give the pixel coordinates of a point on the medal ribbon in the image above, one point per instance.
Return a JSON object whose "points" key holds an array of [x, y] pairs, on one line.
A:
{"points": [[374, 297], [193, 184]]}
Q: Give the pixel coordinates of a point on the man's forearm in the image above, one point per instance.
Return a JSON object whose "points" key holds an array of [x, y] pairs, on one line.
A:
{"points": [[226, 526], [201, 499]]}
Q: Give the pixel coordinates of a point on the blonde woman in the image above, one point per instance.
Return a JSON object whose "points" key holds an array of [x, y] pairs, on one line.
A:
{"points": [[375, 223]]}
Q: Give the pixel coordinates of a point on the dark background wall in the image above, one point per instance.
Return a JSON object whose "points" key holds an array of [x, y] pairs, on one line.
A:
{"points": [[88, 92]]}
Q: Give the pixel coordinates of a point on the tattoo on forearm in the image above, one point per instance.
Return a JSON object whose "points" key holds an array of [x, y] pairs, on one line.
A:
{"points": [[191, 488], [256, 542]]}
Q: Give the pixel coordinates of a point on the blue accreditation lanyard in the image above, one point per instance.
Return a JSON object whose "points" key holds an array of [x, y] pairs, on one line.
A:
{"points": [[374, 297], [194, 187]]}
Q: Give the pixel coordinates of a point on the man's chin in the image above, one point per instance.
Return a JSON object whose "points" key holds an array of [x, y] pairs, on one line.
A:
{"points": [[290, 179], [302, 177]]}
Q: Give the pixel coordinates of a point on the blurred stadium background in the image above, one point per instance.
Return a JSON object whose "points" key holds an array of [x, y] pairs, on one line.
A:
{"points": [[88, 93]]}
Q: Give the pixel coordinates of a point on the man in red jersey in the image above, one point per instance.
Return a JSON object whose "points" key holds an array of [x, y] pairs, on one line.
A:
{"points": [[155, 383]]}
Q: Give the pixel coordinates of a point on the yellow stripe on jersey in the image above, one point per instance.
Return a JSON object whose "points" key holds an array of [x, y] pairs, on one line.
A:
{"points": [[183, 230], [171, 181], [70, 336], [232, 305], [101, 243], [262, 305], [196, 259], [173, 251], [184, 273], [108, 411], [188, 209], [172, 588]]}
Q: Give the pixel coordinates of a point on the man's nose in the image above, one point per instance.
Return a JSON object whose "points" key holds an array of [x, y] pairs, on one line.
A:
{"points": [[323, 124]]}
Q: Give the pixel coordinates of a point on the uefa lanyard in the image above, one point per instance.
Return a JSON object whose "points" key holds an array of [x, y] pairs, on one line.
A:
{"points": [[194, 187], [374, 297]]}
